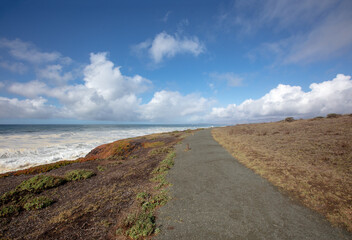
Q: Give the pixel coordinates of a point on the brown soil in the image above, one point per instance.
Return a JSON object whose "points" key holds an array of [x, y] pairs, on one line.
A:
{"points": [[311, 160], [91, 208]]}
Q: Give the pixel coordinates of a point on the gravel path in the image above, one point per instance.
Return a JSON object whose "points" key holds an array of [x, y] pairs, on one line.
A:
{"points": [[215, 197]]}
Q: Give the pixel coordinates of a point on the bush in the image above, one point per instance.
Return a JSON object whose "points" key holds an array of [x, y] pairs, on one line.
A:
{"points": [[38, 203], [289, 119], [333, 115], [79, 174], [141, 225]]}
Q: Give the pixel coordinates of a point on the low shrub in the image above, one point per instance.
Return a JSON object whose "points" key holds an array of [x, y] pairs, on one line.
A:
{"points": [[142, 196], [289, 119], [316, 118], [6, 211], [39, 183], [158, 151], [38, 203], [333, 115], [79, 174], [140, 225], [101, 168]]}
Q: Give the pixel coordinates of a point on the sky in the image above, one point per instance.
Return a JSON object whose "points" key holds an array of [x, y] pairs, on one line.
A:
{"points": [[221, 62]]}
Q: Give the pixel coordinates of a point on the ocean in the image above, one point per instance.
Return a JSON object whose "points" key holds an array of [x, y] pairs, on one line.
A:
{"points": [[23, 146]]}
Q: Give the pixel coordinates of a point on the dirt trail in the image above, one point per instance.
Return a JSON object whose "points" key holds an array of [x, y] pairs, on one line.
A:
{"points": [[215, 197]]}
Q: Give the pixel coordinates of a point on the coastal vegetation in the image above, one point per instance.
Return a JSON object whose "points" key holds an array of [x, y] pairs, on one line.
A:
{"points": [[79, 174], [24, 196], [310, 160], [112, 192], [141, 223]]}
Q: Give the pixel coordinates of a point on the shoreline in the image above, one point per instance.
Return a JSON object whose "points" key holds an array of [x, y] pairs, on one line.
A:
{"points": [[36, 168], [44, 147], [93, 206]]}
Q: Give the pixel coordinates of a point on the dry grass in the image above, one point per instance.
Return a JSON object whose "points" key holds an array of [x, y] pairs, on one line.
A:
{"points": [[38, 169], [153, 144], [309, 159]]}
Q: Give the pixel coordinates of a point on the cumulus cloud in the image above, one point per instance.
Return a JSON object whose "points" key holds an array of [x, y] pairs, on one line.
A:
{"points": [[230, 78], [30, 89], [28, 52], [285, 100], [167, 46], [108, 81], [171, 106], [28, 108], [80, 102], [106, 94], [55, 74]]}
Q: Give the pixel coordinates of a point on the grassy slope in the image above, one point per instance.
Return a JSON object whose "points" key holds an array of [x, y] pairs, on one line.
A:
{"points": [[91, 208], [309, 159]]}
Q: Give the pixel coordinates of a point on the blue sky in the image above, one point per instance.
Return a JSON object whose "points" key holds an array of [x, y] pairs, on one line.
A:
{"points": [[174, 62]]}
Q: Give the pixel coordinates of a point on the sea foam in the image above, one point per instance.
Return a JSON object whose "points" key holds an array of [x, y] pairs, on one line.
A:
{"points": [[21, 149]]}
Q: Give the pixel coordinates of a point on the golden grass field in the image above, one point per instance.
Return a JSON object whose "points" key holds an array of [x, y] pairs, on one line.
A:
{"points": [[310, 160]]}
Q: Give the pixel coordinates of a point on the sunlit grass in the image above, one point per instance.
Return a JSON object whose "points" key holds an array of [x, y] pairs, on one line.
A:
{"points": [[309, 159]]}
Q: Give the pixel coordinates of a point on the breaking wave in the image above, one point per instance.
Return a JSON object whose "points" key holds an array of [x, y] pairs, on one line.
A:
{"points": [[22, 147]]}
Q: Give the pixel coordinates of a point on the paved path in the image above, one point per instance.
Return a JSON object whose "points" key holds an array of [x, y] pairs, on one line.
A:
{"points": [[215, 197]]}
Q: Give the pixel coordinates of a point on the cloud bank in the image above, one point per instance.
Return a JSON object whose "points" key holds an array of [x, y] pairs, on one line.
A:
{"points": [[285, 100], [105, 94]]}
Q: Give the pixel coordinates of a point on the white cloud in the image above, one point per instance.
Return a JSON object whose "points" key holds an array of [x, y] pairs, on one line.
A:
{"points": [[230, 78], [173, 106], [54, 73], [167, 46], [30, 89], [286, 13], [26, 51], [285, 100], [108, 81], [16, 67], [182, 25], [105, 95], [327, 40], [15, 108], [252, 15]]}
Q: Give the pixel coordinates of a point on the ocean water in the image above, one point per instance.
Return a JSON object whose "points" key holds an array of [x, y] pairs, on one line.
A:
{"points": [[23, 146]]}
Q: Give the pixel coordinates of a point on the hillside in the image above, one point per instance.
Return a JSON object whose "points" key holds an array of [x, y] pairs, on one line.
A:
{"points": [[310, 160], [109, 194]]}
